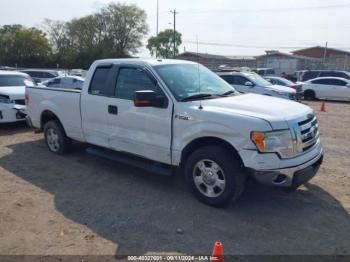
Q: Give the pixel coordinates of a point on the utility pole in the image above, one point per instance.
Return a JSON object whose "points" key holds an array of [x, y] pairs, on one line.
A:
{"points": [[157, 17], [174, 40], [325, 54], [157, 24]]}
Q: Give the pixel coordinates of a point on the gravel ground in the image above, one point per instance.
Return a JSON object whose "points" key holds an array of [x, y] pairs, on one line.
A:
{"points": [[78, 204]]}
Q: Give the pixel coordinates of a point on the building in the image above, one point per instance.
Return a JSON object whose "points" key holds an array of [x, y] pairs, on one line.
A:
{"points": [[287, 63], [334, 59], [214, 61]]}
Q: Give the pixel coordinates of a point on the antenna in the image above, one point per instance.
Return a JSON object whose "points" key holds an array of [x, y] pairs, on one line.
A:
{"points": [[199, 76]]}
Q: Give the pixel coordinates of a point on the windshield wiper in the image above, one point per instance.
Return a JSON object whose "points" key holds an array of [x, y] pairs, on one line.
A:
{"points": [[197, 96], [228, 93]]}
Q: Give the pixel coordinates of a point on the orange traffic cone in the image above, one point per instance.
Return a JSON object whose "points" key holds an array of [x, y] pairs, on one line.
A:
{"points": [[323, 106], [218, 253]]}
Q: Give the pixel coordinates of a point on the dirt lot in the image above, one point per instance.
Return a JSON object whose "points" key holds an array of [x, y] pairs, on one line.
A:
{"points": [[79, 204]]}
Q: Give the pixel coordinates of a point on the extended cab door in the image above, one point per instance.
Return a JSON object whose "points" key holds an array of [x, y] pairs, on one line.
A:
{"points": [[94, 106], [143, 131]]}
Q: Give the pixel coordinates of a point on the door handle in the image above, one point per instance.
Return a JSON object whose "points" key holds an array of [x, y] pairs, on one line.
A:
{"points": [[113, 110]]}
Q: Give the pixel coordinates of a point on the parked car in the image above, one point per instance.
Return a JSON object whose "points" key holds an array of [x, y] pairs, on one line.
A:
{"points": [[70, 82], [180, 114], [265, 71], [249, 82], [39, 75], [333, 88], [78, 72], [306, 75], [12, 91], [276, 80]]}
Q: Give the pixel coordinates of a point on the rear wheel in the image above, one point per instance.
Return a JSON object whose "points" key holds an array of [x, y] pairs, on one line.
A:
{"points": [[215, 175], [309, 95], [55, 137]]}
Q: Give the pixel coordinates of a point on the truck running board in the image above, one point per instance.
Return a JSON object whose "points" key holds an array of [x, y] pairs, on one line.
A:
{"points": [[150, 166]]}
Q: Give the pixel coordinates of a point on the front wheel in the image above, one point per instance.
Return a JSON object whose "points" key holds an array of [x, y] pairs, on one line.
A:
{"points": [[309, 95], [215, 175]]}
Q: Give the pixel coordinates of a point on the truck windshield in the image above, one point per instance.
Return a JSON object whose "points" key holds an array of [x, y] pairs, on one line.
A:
{"points": [[190, 80]]}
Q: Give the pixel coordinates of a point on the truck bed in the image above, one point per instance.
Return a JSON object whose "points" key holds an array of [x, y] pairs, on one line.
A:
{"points": [[64, 102]]}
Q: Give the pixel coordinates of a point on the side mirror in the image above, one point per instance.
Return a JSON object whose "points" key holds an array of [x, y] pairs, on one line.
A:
{"points": [[249, 84], [149, 98]]}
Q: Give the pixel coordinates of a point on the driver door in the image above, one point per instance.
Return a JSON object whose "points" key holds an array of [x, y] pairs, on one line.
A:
{"points": [[143, 131]]}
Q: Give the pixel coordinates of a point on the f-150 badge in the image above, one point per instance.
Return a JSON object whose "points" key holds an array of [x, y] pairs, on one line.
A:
{"points": [[182, 117]]}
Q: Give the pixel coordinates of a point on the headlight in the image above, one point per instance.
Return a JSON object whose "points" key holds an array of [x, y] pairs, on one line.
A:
{"points": [[5, 99], [280, 142]]}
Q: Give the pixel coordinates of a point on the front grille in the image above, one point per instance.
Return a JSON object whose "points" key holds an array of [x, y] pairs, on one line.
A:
{"points": [[20, 102], [309, 133]]}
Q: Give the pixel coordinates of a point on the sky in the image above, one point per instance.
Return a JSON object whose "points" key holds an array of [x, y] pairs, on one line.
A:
{"points": [[222, 27]]}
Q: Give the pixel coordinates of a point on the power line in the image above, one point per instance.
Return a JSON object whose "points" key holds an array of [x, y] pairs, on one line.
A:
{"points": [[249, 46], [288, 9]]}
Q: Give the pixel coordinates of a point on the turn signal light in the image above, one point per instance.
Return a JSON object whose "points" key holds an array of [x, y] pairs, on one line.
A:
{"points": [[259, 140]]}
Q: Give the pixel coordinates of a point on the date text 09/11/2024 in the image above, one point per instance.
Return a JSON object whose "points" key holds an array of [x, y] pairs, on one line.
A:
{"points": [[172, 258]]}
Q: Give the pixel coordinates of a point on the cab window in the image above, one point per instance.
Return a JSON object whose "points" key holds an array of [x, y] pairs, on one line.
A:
{"points": [[131, 80], [99, 82]]}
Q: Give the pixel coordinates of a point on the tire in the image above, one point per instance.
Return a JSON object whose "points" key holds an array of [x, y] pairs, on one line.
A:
{"points": [[309, 95], [56, 138], [228, 175]]}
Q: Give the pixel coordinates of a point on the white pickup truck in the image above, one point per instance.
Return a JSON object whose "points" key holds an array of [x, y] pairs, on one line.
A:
{"points": [[180, 114]]}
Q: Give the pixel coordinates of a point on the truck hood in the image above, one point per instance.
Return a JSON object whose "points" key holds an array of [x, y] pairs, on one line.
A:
{"points": [[14, 92], [274, 110], [282, 89]]}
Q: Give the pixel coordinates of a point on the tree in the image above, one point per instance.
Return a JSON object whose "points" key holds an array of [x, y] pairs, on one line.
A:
{"points": [[125, 26], [23, 46], [57, 32], [116, 30], [163, 44]]}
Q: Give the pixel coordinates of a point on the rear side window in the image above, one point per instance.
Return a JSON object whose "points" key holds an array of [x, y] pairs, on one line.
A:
{"points": [[320, 82], [99, 82], [32, 74], [229, 79], [334, 82], [310, 75], [239, 80], [55, 82], [337, 82], [273, 81], [270, 72], [131, 80], [48, 75]]}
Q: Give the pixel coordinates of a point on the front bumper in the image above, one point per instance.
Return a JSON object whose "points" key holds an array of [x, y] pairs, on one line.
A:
{"points": [[10, 113], [29, 121], [291, 176]]}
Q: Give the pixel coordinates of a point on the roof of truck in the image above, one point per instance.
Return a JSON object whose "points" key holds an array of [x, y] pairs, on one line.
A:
{"points": [[139, 61]]}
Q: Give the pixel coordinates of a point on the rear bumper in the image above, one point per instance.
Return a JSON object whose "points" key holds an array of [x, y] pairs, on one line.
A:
{"points": [[291, 176], [10, 113]]}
